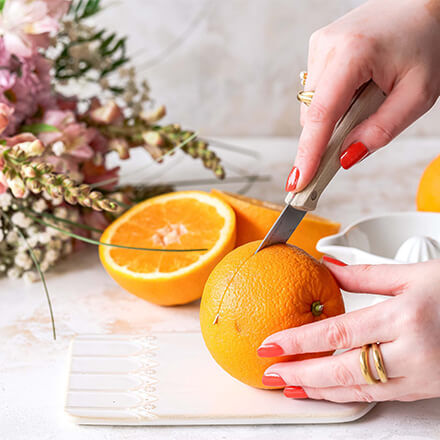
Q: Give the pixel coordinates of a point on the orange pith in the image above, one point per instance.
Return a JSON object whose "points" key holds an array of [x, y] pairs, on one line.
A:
{"points": [[255, 218], [249, 297], [182, 220]]}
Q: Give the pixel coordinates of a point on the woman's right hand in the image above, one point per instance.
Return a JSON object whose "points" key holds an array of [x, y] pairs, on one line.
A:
{"points": [[396, 43]]}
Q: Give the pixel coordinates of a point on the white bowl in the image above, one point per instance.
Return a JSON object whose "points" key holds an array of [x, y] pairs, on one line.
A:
{"points": [[376, 239]]}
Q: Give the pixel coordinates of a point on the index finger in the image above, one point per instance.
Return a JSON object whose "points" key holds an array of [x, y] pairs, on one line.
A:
{"points": [[354, 329], [332, 97]]}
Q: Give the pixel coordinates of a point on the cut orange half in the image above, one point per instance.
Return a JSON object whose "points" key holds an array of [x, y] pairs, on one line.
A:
{"points": [[256, 217], [174, 221]]}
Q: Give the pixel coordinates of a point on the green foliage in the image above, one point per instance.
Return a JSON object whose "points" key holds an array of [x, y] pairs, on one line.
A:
{"points": [[109, 48], [81, 9], [38, 128]]}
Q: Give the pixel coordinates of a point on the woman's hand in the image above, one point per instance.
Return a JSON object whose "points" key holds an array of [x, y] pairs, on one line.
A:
{"points": [[407, 326], [397, 44]]}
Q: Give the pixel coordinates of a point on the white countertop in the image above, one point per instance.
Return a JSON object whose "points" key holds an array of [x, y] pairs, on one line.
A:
{"points": [[33, 368]]}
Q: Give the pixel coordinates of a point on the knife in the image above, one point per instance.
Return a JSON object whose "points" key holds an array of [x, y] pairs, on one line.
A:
{"points": [[366, 101]]}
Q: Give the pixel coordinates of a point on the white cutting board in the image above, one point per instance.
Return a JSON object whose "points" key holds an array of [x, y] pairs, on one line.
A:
{"points": [[171, 379]]}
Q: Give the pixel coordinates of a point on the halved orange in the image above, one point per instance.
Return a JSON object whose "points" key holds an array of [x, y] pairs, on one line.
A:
{"points": [[179, 220], [255, 218]]}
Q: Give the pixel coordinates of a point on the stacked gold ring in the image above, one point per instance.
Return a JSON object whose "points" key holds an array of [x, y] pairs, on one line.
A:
{"points": [[378, 362], [304, 96]]}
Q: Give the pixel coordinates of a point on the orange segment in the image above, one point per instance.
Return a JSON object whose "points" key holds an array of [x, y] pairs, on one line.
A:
{"points": [[255, 218], [181, 220]]}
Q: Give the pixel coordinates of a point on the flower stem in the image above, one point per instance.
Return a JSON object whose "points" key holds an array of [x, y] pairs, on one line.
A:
{"points": [[37, 266], [101, 243]]}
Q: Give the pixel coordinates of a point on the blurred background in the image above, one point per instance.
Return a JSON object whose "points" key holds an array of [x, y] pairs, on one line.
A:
{"points": [[229, 67]]}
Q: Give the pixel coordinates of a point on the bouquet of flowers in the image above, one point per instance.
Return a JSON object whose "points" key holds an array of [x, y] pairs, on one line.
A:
{"points": [[55, 187]]}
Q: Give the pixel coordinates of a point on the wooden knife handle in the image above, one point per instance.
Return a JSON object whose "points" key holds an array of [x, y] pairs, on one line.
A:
{"points": [[366, 101]]}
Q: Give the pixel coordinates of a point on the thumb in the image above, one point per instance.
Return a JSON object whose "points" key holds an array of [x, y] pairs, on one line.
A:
{"points": [[408, 100], [381, 279]]}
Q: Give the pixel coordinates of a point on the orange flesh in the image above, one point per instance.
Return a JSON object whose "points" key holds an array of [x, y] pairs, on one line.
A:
{"points": [[175, 224]]}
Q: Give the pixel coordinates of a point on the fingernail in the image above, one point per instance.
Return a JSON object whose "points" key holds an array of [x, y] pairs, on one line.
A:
{"points": [[273, 380], [333, 261], [352, 155], [292, 180], [295, 393], [270, 350]]}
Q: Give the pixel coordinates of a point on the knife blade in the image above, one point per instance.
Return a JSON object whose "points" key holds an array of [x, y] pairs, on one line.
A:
{"points": [[365, 102], [283, 227]]}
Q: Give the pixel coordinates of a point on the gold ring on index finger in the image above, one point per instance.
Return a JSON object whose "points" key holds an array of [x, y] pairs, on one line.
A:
{"points": [[305, 97], [303, 77]]}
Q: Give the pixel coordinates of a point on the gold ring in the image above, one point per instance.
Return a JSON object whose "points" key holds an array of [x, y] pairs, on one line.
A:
{"points": [[378, 362], [305, 97], [365, 365]]}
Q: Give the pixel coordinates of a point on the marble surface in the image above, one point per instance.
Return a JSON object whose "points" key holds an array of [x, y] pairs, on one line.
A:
{"points": [[229, 67], [33, 368]]}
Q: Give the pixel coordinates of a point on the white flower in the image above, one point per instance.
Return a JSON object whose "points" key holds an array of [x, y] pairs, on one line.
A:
{"points": [[55, 244], [23, 260], [60, 212], [44, 266], [43, 237], [51, 256], [39, 205], [14, 273], [21, 220], [58, 148], [32, 240], [56, 201], [30, 277], [2, 235], [2, 267], [12, 237], [5, 201]]}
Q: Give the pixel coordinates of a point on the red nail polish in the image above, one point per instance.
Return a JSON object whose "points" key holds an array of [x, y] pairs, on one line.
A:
{"points": [[270, 350], [295, 393], [292, 180], [333, 261], [352, 155], [273, 380]]}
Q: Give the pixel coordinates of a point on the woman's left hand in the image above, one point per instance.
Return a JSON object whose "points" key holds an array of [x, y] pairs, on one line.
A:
{"points": [[407, 326]]}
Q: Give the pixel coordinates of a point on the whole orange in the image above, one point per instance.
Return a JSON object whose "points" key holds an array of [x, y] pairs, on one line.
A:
{"points": [[428, 194], [250, 296]]}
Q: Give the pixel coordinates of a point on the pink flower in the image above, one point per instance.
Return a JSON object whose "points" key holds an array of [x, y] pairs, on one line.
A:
{"points": [[75, 136], [26, 24], [5, 114], [3, 183], [19, 138], [25, 86]]}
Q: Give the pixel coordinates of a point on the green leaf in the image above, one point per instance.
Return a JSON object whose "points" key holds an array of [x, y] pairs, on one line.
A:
{"points": [[2, 141], [2, 5], [39, 127]]}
